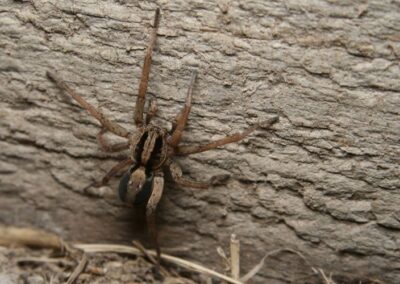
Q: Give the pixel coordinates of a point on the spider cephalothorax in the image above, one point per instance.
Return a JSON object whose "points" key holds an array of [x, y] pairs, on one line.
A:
{"points": [[151, 148]]}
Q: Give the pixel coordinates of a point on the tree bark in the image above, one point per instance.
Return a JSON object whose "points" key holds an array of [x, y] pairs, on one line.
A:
{"points": [[324, 181]]}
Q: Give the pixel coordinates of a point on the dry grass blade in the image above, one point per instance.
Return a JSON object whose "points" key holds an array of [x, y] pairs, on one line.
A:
{"points": [[96, 248], [59, 261], [78, 270], [235, 257], [224, 258], [260, 265], [29, 237], [140, 247], [326, 279], [52, 279]]}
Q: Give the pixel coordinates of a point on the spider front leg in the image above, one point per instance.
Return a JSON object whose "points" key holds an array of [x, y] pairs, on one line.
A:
{"points": [[157, 190], [187, 150], [110, 148], [110, 125], [144, 80], [181, 120]]}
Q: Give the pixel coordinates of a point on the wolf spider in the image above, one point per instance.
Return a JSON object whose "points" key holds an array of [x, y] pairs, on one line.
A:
{"points": [[151, 148]]}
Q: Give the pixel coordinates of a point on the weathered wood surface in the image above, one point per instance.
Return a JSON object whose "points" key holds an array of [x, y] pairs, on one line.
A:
{"points": [[325, 182]]}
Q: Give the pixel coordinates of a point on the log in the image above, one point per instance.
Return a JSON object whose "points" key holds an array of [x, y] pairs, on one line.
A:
{"points": [[324, 182]]}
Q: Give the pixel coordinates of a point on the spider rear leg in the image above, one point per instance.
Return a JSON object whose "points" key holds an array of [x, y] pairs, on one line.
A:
{"points": [[158, 187], [105, 122], [111, 173], [187, 150], [144, 80], [181, 120], [110, 148]]}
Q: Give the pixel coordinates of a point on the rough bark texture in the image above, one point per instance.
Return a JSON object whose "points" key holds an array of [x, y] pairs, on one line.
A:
{"points": [[325, 182]]}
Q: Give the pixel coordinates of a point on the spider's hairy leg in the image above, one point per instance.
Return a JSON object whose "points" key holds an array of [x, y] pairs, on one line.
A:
{"points": [[107, 123], [176, 174], [141, 98], [157, 190], [112, 172], [181, 119], [151, 111], [189, 149], [110, 148]]}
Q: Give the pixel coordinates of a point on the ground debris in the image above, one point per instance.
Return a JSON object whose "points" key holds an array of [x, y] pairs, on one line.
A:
{"points": [[41, 266]]}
